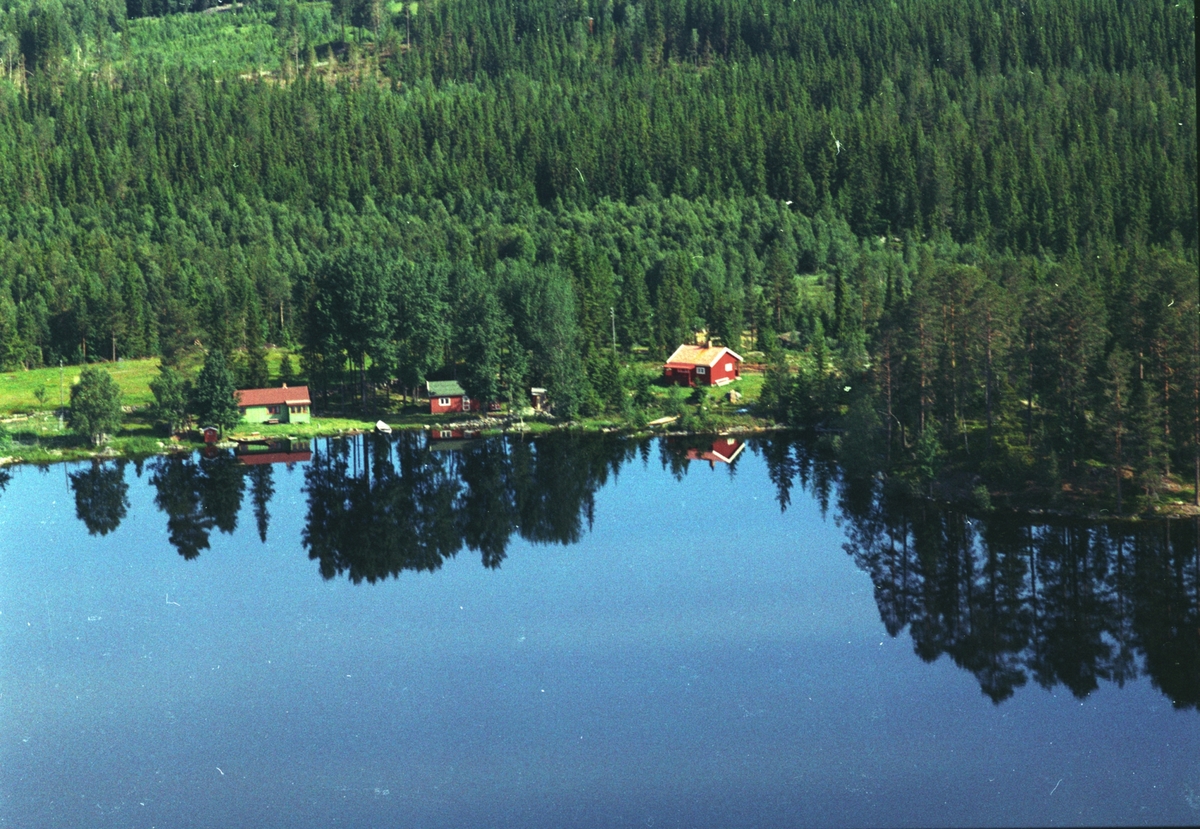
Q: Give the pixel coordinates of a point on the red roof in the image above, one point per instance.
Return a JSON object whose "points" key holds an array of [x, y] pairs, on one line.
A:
{"points": [[725, 451], [283, 396], [253, 458], [699, 355]]}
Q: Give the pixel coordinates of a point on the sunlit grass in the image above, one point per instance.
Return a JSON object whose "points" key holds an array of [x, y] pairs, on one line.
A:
{"points": [[18, 389]]}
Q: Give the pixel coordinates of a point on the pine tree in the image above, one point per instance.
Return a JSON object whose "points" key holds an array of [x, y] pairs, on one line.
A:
{"points": [[213, 397]]}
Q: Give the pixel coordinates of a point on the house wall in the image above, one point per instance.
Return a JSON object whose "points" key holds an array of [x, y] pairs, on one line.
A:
{"points": [[456, 405], [283, 413], [437, 407], [256, 414], [725, 370], [679, 376]]}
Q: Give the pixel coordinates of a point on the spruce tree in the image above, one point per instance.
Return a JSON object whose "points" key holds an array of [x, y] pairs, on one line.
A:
{"points": [[213, 399]]}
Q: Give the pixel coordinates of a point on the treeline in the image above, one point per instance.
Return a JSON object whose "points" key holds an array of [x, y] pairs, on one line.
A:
{"points": [[977, 216]]}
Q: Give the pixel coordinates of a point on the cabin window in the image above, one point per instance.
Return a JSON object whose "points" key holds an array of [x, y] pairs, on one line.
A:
{"points": [[701, 370], [729, 366], [272, 410], [443, 401]]}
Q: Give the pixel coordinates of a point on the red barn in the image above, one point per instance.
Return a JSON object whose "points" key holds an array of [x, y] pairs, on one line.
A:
{"points": [[448, 396], [702, 365]]}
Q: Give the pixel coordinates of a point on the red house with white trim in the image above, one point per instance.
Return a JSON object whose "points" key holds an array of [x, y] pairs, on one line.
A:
{"points": [[702, 365], [447, 396]]}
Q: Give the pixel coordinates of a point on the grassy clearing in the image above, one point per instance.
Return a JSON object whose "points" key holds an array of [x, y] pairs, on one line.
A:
{"points": [[18, 389], [39, 438], [243, 41]]}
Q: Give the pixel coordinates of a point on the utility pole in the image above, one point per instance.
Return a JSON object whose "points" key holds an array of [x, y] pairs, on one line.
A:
{"points": [[60, 394]]}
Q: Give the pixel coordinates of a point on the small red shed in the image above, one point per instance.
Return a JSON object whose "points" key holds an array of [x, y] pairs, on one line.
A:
{"points": [[702, 365], [448, 396]]}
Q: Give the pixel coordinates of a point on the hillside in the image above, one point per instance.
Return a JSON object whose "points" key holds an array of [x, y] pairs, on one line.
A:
{"points": [[964, 233]]}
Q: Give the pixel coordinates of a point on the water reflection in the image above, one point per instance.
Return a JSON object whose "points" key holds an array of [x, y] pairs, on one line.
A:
{"points": [[101, 496], [1060, 602], [378, 506], [198, 494], [1009, 599]]}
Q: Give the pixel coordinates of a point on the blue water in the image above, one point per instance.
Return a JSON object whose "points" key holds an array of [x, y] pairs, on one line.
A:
{"points": [[699, 658]]}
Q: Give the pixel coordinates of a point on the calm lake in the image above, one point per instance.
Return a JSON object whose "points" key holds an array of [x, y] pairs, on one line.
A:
{"points": [[578, 632]]}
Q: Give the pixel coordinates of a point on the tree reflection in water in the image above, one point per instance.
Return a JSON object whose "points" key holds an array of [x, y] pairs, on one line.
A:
{"points": [[378, 506], [1007, 598], [198, 495], [101, 496]]}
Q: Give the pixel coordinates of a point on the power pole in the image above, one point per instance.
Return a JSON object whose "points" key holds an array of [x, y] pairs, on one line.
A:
{"points": [[60, 394]]}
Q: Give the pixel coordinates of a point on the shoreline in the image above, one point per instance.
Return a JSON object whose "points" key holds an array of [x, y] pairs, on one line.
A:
{"points": [[139, 448]]}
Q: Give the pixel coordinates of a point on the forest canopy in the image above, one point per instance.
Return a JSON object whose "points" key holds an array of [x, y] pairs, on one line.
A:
{"points": [[980, 216]]}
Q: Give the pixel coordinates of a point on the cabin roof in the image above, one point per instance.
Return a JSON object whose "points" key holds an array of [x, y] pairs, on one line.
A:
{"points": [[255, 458], [282, 396], [444, 388], [699, 355]]}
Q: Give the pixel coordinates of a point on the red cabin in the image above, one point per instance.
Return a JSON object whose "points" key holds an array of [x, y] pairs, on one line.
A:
{"points": [[448, 396], [702, 365]]}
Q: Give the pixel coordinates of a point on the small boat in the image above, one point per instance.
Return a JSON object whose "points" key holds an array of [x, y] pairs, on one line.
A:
{"points": [[382, 428]]}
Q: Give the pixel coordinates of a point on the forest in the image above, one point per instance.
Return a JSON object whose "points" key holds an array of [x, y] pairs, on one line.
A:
{"points": [[963, 234]]}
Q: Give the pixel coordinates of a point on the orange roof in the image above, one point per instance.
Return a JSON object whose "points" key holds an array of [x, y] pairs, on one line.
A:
{"points": [[699, 355], [253, 458], [283, 396]]}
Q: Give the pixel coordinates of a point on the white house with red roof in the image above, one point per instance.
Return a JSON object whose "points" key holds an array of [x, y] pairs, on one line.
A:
{"points": [[702, 365], [281, 405]]}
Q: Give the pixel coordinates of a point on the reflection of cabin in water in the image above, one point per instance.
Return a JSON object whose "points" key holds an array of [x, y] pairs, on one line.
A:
{"points": [[255, 452], [723, 450], [451, 440]]}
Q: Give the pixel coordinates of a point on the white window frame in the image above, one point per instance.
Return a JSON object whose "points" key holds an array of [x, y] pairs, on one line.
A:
{"points": [[444, 401], [729, 366], [701, 370]]}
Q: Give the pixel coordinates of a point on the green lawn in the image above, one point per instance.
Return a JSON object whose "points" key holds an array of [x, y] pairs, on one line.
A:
{"points": [[18, 389]]}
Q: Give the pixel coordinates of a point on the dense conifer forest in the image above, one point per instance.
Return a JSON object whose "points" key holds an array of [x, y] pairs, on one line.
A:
{"points": [[963, 233]]}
